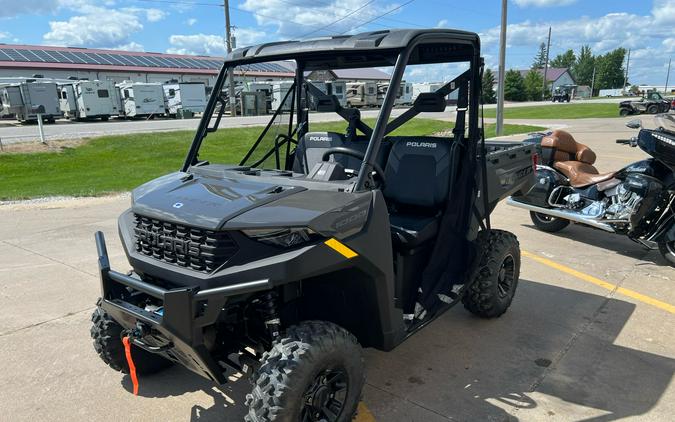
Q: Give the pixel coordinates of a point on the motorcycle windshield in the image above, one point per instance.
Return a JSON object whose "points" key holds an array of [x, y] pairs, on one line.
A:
{"points": [[665, 122]]}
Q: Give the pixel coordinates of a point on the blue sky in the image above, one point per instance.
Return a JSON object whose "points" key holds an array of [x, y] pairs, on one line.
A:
{"points": [[196, 26]]}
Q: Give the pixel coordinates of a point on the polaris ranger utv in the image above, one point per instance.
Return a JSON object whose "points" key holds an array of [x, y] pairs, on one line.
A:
{"points": [[316, 243]]}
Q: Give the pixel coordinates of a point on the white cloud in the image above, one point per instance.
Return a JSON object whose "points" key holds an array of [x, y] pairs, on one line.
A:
{"points": [[130, 46], [97, 26], [308, 16], [543, 3], [191, 21], [4, 35], [101, 29], [211, 44], [443, 23]]}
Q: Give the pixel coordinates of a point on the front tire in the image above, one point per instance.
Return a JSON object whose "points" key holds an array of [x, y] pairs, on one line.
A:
{"points": [[314, 373], [652, 109], [107, 336], [624, 112], [548, 224], [667, 250], [491, 292]]}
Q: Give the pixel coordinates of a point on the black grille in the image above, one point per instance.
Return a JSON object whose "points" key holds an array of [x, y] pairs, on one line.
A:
{"points": [[189, 247]]}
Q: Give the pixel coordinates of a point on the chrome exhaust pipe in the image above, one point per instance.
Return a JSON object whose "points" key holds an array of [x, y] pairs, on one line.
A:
{"points": [[561, 213]]}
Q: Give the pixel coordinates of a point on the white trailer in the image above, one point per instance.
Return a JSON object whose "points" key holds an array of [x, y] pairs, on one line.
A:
{"points": [[185, 97], [405, 94], [279, 91], [89, 100], [25, 99], [339, 89], [266, 87], [363, 94], [140, 99]]}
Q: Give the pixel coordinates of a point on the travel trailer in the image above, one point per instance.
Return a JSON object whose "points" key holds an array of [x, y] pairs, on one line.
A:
{"points": [[339, 89], [25, 100], [363, 94], [279, 91], [185, 97], [82, 100], [405, 94], [140, 99], [266, 88]]}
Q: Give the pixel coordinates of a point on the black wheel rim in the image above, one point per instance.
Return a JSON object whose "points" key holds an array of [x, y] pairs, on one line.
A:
{"points": [[325, 399], [506, 276], [670, 247], [544, 218]]}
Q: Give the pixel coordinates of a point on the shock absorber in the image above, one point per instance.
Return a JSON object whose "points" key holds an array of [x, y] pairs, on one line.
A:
{"points": [[271, 314]]}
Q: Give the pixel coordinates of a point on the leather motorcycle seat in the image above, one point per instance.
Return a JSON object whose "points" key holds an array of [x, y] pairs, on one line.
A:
{"points": [[581, 174]]}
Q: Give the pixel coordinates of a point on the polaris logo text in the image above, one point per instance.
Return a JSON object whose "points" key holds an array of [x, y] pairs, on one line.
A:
{"points": [[421, 144], [319, 138]]}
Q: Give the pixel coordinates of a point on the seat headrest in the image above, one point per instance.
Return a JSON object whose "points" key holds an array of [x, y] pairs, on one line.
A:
{"points": [[310, 149], [567, 149]]}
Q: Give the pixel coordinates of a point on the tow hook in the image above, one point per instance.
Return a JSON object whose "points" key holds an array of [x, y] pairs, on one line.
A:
{"points": [[141, 331]]}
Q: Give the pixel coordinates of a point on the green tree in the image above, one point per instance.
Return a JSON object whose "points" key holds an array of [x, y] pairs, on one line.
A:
{"points": [[609, 71], [564, 60], [540, 59], [488, 94], [582, 71], [514, 86], [533, 84]]}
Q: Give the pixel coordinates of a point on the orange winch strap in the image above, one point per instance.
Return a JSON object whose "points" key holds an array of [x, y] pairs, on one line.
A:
{"points": [[130, 362]]}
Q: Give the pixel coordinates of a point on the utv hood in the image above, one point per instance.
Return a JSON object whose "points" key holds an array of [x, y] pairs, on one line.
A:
{"points": [[204, 202]]}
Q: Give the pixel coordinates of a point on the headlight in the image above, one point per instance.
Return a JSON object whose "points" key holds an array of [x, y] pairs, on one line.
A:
{"points": [[286, 237]]}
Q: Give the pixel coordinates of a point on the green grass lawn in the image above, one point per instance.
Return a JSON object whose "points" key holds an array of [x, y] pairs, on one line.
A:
{"points": [[559, 111], [121, 162]]}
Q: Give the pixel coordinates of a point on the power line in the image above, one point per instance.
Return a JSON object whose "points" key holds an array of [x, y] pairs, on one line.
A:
{"points": [[379, 16], [338, 20]]}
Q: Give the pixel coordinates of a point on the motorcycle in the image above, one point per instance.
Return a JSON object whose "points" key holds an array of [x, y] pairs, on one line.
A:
{"points": [[637, 201]]}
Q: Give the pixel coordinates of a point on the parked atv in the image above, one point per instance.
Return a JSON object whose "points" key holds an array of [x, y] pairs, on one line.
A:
{"points": [[316, 243], [653, 103], [561, 95], [637, 201]]}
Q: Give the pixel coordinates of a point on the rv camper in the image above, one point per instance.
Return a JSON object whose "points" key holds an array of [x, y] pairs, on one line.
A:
{"points": [[140, 99], [184, 97], [264, 87], [405, 94], [362, 94], [279, 91], [25, 99], [339, 89], [82, 100]]}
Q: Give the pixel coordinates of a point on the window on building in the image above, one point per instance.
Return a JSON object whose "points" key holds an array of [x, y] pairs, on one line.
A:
{"points": [[338, 89], [103, 93], [126, 93], [172, 92]]}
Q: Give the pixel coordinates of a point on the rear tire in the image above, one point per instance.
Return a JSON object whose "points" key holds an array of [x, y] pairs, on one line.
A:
{"points": [[107, 336], [491, 292], [667, 250], [652, 109], [316, 366], [548, 224], [624, 112]]}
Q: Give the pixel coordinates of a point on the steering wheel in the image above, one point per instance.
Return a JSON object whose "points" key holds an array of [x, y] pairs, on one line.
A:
{"points": [[352, 153]]}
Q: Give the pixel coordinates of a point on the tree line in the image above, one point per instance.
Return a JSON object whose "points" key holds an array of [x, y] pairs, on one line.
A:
{"points": [[609, 73]]}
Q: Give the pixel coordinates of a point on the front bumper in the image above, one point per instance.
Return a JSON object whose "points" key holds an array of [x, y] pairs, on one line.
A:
{"points": [[177, 333]]}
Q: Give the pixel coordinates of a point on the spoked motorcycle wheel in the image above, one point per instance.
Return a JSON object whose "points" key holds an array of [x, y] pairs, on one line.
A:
{"points": [[667, 249], [547, 223]]}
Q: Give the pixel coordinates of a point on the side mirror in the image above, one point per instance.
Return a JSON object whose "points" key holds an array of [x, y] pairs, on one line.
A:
{"points": [[634, 124]]}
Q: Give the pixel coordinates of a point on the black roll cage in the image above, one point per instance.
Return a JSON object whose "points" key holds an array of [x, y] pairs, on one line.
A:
{"points": [[468, 83]]}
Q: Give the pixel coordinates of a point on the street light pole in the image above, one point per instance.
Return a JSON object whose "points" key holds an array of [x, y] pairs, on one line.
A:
{"points": [[665, 90], [499, 129], [548, 48], [230, 72]]}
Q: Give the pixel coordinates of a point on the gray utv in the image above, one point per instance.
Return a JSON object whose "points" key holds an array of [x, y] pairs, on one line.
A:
{"points": [[316, 243]]}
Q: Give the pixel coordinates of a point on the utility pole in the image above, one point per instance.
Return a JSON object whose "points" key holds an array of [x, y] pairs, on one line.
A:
{"points": [[665, 90], [499, 129], [230, 72], [548, 47], [625, 79], [593, 82]]}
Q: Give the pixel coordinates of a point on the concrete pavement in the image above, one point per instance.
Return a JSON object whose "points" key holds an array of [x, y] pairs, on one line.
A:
{"points": [[567, 350]]}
